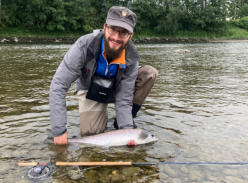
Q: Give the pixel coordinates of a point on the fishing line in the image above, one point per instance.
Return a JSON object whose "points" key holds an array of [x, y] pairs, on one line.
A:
{"points": [[190, 163]]}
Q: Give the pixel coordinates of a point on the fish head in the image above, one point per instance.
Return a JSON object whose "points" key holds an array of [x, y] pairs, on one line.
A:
{"points": [[145, 138]]}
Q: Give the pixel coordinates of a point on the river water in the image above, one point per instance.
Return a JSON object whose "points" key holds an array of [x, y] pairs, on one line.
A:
{"points": [[197, 109]]}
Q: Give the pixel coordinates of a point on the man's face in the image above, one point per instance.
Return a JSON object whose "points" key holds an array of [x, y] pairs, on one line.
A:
{"points": [[116, 39]]}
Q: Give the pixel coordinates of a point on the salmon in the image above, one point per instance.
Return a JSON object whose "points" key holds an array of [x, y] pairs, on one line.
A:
{"points": [[117, 138]]}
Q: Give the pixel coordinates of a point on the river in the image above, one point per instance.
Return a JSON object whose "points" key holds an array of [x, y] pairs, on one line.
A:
{"points": [[197, 109]]}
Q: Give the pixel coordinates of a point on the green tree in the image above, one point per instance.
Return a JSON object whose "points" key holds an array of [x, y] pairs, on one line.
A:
{"points": [[154, 16], [9, 13], [0, 12], [147, 15], [243, 10], [73, 15], [170, 17]]}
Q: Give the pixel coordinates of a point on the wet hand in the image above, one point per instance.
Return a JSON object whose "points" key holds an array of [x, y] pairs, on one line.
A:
{"points": [[61, 140]]}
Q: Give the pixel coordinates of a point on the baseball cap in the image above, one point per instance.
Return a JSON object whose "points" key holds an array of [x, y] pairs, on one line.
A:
{"points": [[121, 17]]}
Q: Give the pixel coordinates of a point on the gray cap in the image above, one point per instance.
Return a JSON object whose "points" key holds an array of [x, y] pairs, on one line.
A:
{"points": [[121, 17]]}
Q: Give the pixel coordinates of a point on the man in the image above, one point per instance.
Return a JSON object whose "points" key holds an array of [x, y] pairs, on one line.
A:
{"points": [[104, 65]]}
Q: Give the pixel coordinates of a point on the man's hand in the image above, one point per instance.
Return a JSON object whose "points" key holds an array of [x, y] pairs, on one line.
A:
{"points": [[61, 140]]}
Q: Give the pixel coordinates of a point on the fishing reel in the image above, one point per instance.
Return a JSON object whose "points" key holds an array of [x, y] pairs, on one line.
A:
{"points": [[40, 171]]}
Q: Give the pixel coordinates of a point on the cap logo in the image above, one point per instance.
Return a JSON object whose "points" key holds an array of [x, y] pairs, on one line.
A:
{"points": [[124, 13]]}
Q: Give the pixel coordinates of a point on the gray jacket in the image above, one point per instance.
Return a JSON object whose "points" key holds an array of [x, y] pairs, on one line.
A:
{"points": [[83, 54]]}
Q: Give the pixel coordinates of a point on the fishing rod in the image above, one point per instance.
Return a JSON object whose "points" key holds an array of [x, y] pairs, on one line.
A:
{"points": [[108, 163], [129, 163], [43, 170]]}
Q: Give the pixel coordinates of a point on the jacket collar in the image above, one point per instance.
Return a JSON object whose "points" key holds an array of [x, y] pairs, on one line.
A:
{"points": [[94, 48]]}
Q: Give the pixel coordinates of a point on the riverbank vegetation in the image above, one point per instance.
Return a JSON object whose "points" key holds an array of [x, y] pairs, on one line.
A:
{"points": [[210, 19]]}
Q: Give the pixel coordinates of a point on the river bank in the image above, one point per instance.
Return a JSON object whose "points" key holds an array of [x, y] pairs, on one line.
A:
{"points": [[26, 37], [72, 39], [144, 40]]}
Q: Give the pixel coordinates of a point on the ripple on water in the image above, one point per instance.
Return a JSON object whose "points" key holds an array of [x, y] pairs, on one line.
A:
{"points": [[197, 109]]}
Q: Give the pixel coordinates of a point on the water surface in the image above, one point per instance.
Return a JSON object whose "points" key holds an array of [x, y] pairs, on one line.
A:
{"points": [[197, 108]]}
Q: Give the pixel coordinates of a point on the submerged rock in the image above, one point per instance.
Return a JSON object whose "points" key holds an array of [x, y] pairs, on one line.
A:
{"points": [[75, 174], [118, 178], [130, 171]]}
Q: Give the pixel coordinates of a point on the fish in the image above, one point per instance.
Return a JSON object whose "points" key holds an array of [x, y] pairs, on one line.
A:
{"points": [[115, 138]]}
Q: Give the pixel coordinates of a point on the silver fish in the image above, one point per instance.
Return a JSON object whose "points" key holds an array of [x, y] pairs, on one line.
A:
{"points": [[116, 138]]}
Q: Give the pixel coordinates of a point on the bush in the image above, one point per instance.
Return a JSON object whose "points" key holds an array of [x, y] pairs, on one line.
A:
{"points": [[244, 23], [241, 23]]}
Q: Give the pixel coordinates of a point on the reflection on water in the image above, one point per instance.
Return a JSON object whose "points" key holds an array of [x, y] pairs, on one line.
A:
{"points": [[197, 109]]}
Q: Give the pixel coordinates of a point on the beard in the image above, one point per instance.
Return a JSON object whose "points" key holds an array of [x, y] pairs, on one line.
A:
{"points": [[111, 53]]}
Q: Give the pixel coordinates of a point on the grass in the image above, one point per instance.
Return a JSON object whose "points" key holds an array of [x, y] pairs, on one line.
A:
{"points": [[20, 32], [237, 33], [230, 32]]}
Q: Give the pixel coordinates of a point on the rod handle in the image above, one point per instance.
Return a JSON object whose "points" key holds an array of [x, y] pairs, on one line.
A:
{"points": [[129, 163], [27, 163]]}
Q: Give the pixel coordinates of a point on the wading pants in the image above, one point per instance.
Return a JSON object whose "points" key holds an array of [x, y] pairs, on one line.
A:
{"points": [[93, 115]]}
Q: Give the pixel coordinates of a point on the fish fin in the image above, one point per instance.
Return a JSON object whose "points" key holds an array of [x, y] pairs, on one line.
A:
{"points": [[131, 143]]}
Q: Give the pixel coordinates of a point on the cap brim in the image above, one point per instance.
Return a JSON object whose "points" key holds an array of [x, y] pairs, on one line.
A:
{"points": [[119, 24]]}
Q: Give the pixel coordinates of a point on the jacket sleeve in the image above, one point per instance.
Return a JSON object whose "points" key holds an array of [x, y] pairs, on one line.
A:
{"points": [[125, 91], [67, 72]]}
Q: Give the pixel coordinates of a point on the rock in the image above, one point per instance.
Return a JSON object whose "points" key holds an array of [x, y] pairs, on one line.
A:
{"points": [[84, 159], [114, 172], [174, 180], [15, 39], [163, 176], [156, 181], [118, 178], [130, 171], [184, 169], [195, 175], [169, 171], [90, 176], [75, 174], [4, 40], [57, 41], [233, 179], [230, 172], [72, 39]]}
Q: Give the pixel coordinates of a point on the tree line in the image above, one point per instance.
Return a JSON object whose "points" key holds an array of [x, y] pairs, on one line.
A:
{"points": [[156, 16]]}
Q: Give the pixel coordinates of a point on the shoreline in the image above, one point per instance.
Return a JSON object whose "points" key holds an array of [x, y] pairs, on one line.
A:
{"points": [[71, 40]]}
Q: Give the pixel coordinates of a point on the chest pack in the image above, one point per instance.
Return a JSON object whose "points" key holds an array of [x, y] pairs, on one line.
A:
{"points": [[102, 89], [102, 86]]}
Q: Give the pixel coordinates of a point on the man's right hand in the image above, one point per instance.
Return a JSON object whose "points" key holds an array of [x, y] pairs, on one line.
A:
{"points": [[61, 140]]}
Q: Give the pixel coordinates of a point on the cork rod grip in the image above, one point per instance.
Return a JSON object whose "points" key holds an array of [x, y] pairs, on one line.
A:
{"points": [[129, 163]]}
